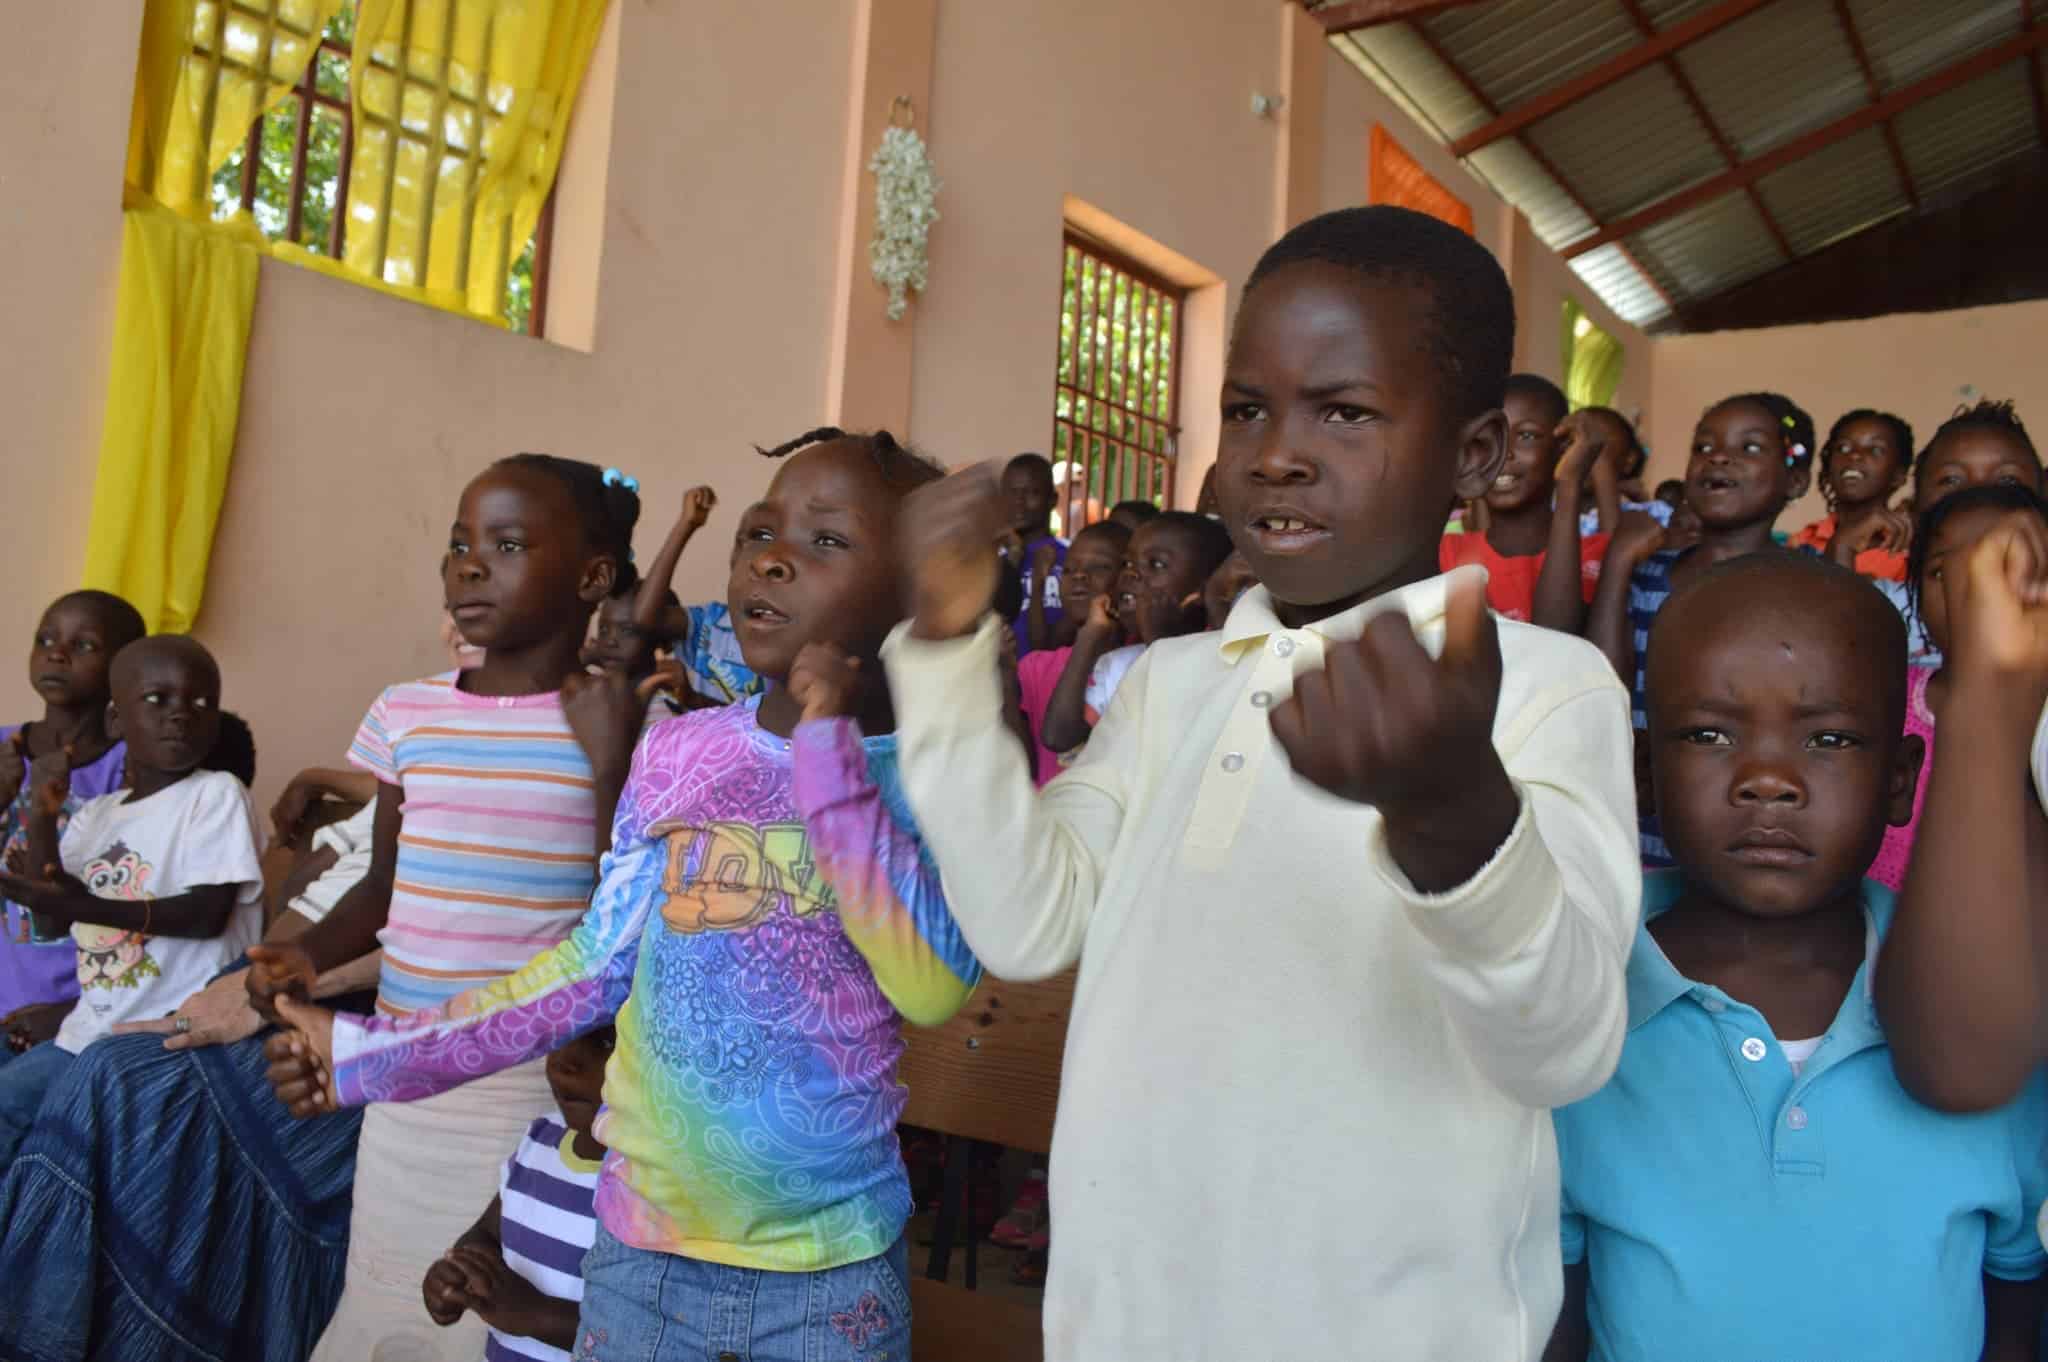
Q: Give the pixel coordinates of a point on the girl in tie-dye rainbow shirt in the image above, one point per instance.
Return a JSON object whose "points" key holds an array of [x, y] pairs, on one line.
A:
{"points": [[766, 918]]}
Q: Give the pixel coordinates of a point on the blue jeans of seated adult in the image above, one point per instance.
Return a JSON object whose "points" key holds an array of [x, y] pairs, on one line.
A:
{"points": [[657, 1307], [24, 1080]]}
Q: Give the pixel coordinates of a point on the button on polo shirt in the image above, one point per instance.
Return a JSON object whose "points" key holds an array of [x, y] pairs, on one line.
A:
{"points": [[1729, 1208]]}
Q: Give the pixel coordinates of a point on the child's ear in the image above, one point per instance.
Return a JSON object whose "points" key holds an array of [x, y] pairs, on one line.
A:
{"points": [[600, 574], [1482, 449], [1906, 763], [1646, 784]]}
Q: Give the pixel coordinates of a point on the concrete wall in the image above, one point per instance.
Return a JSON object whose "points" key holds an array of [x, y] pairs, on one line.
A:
{"points": [[700, 304], [1920, 365]]}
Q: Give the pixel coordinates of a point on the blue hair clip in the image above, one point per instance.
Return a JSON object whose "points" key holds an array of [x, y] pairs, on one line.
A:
{"points": [[614, 478]]}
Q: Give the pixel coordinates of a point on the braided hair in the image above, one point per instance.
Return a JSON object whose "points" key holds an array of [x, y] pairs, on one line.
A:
{"points": [[607, 505], [901, 467], [1795, 427], [1986, 414]]}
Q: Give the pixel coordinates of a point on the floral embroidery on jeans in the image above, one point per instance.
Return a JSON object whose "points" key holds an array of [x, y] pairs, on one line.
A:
{"points": [[863, 1322]]}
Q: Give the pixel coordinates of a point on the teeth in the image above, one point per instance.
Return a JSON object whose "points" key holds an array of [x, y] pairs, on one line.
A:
{"points": [[1505, 481], [1284, 524]]}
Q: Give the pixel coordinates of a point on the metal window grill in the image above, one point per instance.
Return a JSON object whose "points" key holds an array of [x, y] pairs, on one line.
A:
{"points": [[1117, 394], [305, 200]]}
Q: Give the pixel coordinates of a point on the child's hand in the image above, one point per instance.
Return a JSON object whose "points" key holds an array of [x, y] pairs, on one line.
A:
{"points": [[1998, 612], [1101, 623], [605, 716], [301, 1059], [1888, 529], [825, 681], [34, 1024], [1383, 724], [697, 504], [947, 532], [1635, 539], [1583, 442], [446, 1291], [279, 971], [1161, 616], [56, 894], [1042, 560], [501, 1297], [51, 781], [289, 812], [13, 766]]}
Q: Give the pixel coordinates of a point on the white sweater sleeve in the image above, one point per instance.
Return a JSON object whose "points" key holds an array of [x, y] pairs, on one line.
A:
{"points": [[1022, 868], [1530, 955]]}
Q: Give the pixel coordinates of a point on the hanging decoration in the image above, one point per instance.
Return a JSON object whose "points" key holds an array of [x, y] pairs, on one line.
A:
{"points": [[906, 193]]}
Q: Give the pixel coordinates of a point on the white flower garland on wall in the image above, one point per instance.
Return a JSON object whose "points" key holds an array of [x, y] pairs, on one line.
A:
{"points": [[906, 191]]}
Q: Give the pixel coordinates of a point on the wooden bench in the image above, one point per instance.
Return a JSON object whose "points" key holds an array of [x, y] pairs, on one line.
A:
{"points": [[991, 1073]]}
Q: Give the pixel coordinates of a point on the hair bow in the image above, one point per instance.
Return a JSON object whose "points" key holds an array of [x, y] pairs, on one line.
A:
{"points": [[614, 478]]}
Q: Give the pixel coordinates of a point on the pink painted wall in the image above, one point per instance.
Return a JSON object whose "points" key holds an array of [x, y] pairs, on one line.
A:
{"points": [[1920, 365], [700, 301]]}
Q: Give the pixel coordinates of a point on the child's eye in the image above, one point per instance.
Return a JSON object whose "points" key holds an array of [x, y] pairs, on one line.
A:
{"points": [[1832, 741], [758, 534], [1707, 737], [456, 548], [202, 703], [828, 541], [1350, 416], [86, 645], [511, 546], [155, 697], [1244, 411]]}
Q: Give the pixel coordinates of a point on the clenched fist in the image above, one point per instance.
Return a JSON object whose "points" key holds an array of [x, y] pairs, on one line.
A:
{"points": [[947, 533]]}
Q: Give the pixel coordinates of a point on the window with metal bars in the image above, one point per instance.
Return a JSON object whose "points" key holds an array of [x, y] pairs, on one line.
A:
{"points": [[291, 174], [1116, 403]]}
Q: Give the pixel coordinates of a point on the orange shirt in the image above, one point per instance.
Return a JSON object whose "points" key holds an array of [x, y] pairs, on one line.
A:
{"points": [[1881, 563], [1511, 581]]}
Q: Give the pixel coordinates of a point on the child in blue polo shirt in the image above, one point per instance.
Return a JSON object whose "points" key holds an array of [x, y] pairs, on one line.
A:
{"points": [[1754, 1182]]}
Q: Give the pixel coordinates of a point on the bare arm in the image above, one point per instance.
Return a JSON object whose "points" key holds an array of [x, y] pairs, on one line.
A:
{"points": [[1607, 623], [1572, 1338], [350, 930], [1036, 626], [2012, 1319], [1066, 713], [652, 599], [1560, 597], [1959, 981]]}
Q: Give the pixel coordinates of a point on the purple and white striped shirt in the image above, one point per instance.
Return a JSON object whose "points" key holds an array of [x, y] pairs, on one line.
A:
{"points": [[545, 1226]]}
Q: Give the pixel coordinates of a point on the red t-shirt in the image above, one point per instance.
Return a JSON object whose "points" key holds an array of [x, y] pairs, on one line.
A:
{"points": [[1511, 582]]}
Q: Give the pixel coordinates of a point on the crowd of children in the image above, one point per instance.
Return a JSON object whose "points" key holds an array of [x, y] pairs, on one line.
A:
{"points": [[1562, 912]]}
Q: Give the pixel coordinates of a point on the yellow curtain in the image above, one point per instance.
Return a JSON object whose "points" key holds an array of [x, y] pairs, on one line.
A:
{"points": [[232, 64], [461, 108], [173, 394], [1394, 177], [204, 71], [1593, 360]]}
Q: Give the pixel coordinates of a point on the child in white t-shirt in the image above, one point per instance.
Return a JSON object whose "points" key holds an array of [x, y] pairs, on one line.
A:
{"points": [[159, 884]]}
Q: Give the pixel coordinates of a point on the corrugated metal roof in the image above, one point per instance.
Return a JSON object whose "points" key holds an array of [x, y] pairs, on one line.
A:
{"points": [[1957, 139], [1777, 72], [1837, 191], [1416, 76], [1614, 277], [1629, 144], [1518, 178], [1717, 245], [1908, 39], [1513, 49], [1780, 72]]}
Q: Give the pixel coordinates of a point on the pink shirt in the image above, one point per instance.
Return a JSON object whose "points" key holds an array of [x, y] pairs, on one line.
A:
{"points": [[1893, 856], [1038, 674]]}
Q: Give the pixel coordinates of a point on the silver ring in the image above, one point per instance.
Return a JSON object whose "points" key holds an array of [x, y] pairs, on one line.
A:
{"points": [[182, 1025]]}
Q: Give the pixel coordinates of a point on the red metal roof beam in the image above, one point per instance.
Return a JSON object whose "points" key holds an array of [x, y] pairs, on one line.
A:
{"points": [[1749, 172], [1357, 14], [1847, 22], [2028, 19], [1600, 77]]}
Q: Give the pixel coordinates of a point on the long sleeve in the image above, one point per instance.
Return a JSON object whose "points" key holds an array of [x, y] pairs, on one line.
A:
{"points": [[1530, 955], [890, 900], [555, 997], [1022, 869]]}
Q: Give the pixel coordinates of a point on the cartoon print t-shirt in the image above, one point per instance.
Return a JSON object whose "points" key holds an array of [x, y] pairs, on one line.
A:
{"points": [[199, 831]]}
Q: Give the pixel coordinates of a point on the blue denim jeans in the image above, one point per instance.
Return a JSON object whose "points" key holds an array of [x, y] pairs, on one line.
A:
{"points": [[657, 1307], [24, 1081]]}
